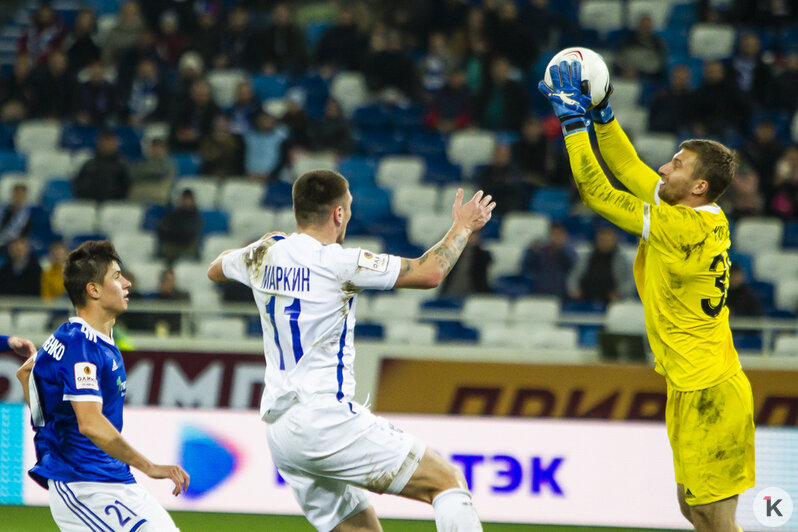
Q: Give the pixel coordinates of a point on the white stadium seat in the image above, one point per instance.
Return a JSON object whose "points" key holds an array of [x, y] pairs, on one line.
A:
{"points": [[224, 84], [480, 309], [147, 274], [204, 189], [55, 163], [205, 299], [626, 93], [135, 246], [243, 194], [535, 310], [786, 345], [313, 161], [9, 180], [6, 323], [711, 41], [656, 149], [190, 276], [275, 107], [409, 200], [120, 217], [285, 221], [350, 89], [505, 259], [388, 307], [425, 229], [76, 217], [633, 119], [601, 15], [31, 322], [758, 235], [658, 10], [554, 338], [37, 135], [776, 266], [155, 130], [524, 228], [374, 244], [251, 224], [625, 317], [786, 297], [470, 148], [411, 333], [396, 171], [215, 244], [229, 328]]}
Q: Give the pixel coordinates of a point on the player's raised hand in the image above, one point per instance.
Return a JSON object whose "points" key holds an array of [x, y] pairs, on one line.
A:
{"points": [[474, 214], [566, 96], [21, 346], [176, 473]]}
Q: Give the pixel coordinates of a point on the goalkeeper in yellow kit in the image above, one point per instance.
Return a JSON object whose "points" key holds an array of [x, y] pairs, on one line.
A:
{"points": [[681, 271]]}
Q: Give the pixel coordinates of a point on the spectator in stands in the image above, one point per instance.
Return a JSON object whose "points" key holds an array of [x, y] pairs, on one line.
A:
{"points": [[151, 179], [296, 119], [21, 273], [167, 291], [15, 218], [505, 181], [266, 148], [180, 230], [222, 151], [606, 275], [713, 100], [81, 44], [343, 45], [194, 119], [189, 69], [283, 43], [642, 52], [105, 176], [207, 38], [145, 48], [671, 109], [54, 87], [470, 274], [389, 69], [502, 104], [332, 132], [549, 264], [783, 94], [531, 153], [145, 99], [124, 34], [244, 108], [762, 152], [95, 98], [170, 40], [477, 61], [785, 201], [749, 69], [744, 197], [238, 46], [43, 36], [17, 92], [741, 298], [52, 276], [508, 35], [451, 107], [434, 65], [545, 23]]}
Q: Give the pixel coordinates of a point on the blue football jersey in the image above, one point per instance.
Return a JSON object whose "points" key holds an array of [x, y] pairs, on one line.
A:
{"points": [[76, 363]]}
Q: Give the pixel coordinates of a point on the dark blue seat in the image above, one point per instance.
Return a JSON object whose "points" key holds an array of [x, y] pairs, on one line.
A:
{"points": [[316, 93], [187, 163], [314, 31], [765, 292], [427, 144], [675, 39], [694, 64], [443, 303], [153, 215], [513, 286], [682, 15], [454, 331], [790, 238], [407, 118], [254, 327], [41, 233], [789, 39], [583, 306], [215, 221], [379, 143], [556, 202], [11, 161], [743, 261], [372, 203], [267, 87], [129, 143], [747, 341], [369, 331], [7, 132], [441, 172], [579, 227], [588, 335], [78, 137], [55, 191], [360, 171], [278, 194], [373, 117]]}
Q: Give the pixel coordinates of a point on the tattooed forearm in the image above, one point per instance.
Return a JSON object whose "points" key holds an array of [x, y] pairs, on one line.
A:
{"points": [[447, 251]]}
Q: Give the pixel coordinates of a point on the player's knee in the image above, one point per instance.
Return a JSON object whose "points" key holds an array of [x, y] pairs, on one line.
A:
{"points": [[451, 478], [687, 511]]}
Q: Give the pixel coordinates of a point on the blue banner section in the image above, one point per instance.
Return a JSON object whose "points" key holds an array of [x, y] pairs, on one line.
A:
{"points": [[12, 467]]}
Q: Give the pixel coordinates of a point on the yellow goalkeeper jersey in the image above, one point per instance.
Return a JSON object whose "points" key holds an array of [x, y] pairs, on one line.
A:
{"points": [[682, 264]]}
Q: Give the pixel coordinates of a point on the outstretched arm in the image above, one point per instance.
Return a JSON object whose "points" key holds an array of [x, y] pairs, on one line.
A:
{"points": [[623, 162]]}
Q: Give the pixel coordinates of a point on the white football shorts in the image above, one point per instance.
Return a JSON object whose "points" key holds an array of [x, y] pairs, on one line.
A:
{"points": [[106, 507], [330, 453]]}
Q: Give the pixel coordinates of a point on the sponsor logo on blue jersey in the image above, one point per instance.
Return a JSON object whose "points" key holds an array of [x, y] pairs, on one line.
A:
{"points": [[208, 458]]}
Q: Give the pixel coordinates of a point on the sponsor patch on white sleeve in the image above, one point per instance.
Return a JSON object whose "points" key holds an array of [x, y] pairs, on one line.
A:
{"points": [[86, 376], [372, 261]]}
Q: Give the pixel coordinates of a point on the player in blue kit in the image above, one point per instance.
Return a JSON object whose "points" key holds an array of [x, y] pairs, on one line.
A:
{"points": [[76, 395], [21, 346]]}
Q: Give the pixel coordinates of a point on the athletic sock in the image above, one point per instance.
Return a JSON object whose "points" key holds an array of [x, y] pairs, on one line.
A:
{"points": [[454, 512]]}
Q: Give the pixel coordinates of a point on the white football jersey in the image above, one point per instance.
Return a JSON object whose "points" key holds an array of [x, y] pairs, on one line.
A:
{"points": [[306, 293]]}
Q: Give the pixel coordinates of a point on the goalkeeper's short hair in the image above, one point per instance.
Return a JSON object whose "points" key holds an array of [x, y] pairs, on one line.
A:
{"points": [[714, 162]]}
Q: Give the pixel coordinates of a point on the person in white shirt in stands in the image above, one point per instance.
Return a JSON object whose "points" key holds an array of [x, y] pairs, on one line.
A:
{"points": [[330, 449]]}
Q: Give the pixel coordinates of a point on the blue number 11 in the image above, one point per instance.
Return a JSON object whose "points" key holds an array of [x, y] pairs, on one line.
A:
{"points": [[292, 311]]}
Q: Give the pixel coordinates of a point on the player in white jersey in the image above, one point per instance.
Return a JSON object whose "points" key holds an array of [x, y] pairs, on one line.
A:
{"points": [[329, 448]]}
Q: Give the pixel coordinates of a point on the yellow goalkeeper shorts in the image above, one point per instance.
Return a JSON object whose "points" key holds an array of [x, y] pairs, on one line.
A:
{"points": [[712, 438]]}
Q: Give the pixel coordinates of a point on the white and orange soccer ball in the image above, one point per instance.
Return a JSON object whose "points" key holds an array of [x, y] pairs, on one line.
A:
{"points": [[594, 70]]}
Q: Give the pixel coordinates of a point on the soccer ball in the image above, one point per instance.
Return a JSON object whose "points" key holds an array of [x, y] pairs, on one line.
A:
{"points": [[594, 70]]}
